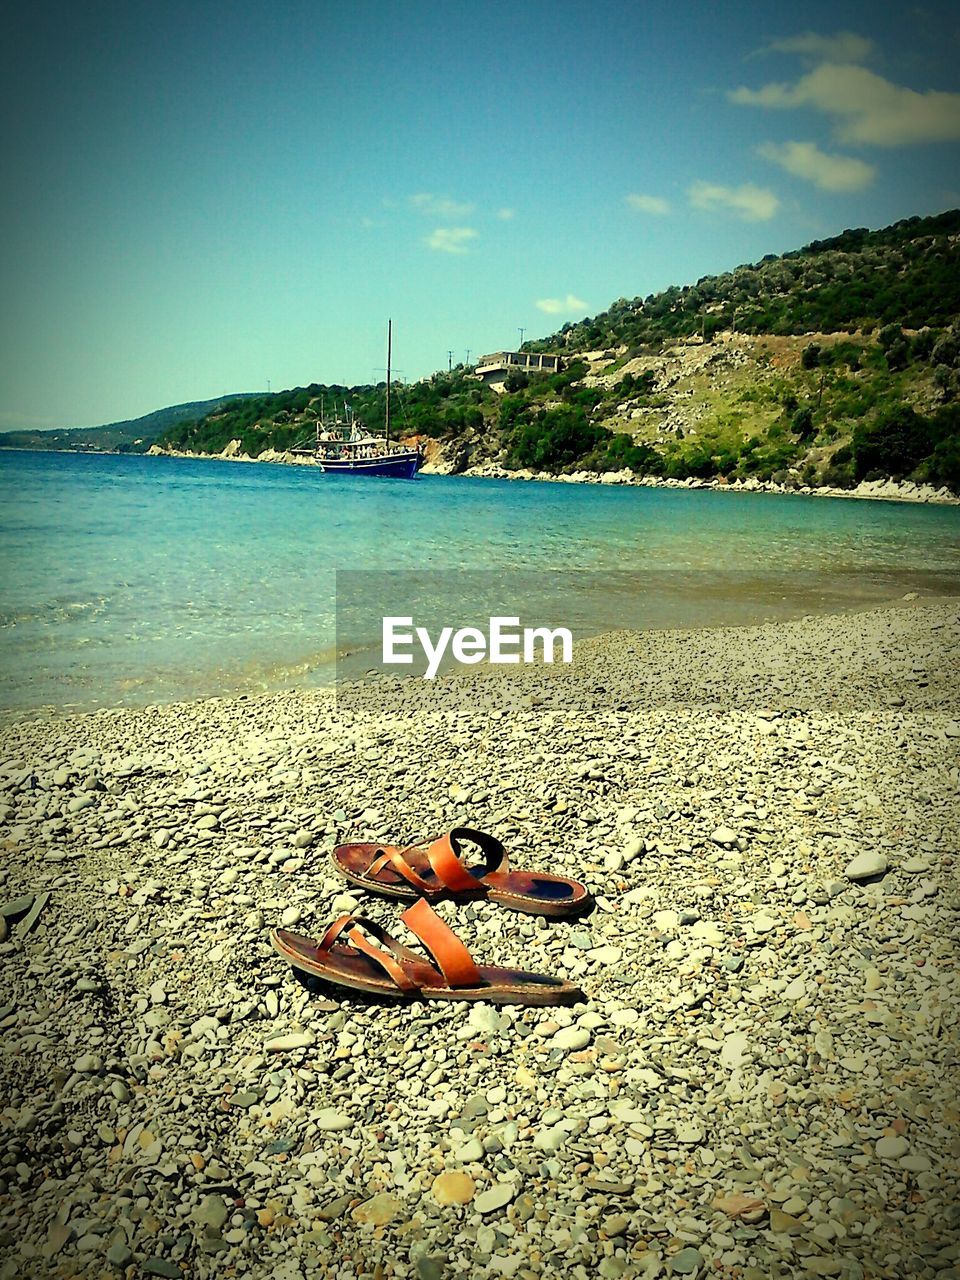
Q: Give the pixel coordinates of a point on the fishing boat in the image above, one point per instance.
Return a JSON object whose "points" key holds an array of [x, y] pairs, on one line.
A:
{"points": [[345, 447]]}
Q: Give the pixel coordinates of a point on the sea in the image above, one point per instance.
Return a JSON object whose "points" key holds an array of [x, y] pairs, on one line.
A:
{"points": [[129, 580]]}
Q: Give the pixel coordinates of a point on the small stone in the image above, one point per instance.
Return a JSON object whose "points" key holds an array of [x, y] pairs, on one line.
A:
{"points": [[211, 1212], [471, 1150], [872, 980], [334, 1209], [57, 1236], [892, 1147], [666, 921], [162, 1267], [431, 1268], [785, 1223], [916, 1164], [331, 1121], [605, 955], [690, 1135], [687, 1262], [739, 1204], [495, 1197], [88, 1064], [866, 865], [119, 1254], [612, 1268], [823, 1266], [723, 835], [551, 1139], [571, 1039], [453, 1188], [291, 916], [245, 1098], [292, 1040], [378, 1211], [734, 1046], [615, 1225], [916, 865], [709, 932]]}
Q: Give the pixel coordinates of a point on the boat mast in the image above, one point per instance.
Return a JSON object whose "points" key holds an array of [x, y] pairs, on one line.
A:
{"points": [[389, 346]]}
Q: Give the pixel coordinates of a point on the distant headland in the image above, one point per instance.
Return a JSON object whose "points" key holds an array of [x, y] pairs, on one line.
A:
{"points": [[836, 365]]}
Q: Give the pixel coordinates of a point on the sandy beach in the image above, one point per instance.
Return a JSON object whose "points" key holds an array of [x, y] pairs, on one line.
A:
{"points": [[762, 1081]]}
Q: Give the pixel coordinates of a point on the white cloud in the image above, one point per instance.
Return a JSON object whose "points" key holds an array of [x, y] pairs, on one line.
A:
{"points": [[845, 46], [864, 107], [451, 239], [648, 204], [828, 172], [505, 214], [570, 305], [439, 206], [753, 204]]}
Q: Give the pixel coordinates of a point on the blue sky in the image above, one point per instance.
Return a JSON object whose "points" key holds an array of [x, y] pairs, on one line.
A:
{"points": [[201, 197]]}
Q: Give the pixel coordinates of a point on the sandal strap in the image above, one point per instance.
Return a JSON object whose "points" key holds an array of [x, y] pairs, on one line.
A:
{"points": [[445, 856], [386, 962], [389, 856], [359, 942], [451, 955]]}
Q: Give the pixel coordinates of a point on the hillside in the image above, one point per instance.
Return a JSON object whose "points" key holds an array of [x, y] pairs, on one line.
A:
{"points": [[130, 436], [832, 364]]}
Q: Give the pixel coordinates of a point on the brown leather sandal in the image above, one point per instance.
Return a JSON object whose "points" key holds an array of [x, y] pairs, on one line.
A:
{"points": [[436, 872], [346, 957]]}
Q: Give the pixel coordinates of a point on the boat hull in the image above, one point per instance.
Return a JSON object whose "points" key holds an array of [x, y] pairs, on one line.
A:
{"points": [[401, 466]]}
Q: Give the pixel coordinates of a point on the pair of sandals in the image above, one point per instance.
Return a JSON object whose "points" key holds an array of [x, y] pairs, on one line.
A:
{"points": [[426, 873]]}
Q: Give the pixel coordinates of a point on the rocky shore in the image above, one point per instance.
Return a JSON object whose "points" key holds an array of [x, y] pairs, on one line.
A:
{"points": [[885, 490], [762, 1082]]}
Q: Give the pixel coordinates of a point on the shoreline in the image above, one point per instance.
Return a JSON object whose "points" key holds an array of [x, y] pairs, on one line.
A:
{"points": [[54, 714], [869, 490], [757, 1083]]}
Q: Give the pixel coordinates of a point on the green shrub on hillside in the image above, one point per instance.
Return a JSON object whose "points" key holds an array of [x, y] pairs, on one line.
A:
{"points": [[943, 465], [619, 452], [893, 444], [557, 438]]}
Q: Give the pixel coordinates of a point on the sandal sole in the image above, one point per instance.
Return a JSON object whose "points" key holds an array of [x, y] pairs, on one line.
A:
{"points": [[492, 995], [529, 907]]}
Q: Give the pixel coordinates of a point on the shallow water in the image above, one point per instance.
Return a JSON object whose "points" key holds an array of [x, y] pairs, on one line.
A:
{"points": [[129, 580]]}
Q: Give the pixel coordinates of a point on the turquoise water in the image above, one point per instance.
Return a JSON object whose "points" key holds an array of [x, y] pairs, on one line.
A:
{"points": [[145, 579]]}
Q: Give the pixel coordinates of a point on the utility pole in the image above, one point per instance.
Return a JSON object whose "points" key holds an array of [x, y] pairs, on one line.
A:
{"points": [[268, 386], [468, 357], [521, 333], [449, 362]]}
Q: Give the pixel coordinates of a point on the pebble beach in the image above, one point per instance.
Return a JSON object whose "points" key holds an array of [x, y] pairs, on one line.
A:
{"points": [[762, 1081]]}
